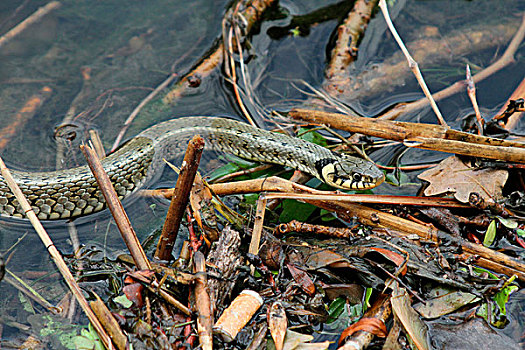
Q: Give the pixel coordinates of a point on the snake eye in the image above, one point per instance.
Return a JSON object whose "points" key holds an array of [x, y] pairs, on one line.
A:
{"points": [[357, 177]]}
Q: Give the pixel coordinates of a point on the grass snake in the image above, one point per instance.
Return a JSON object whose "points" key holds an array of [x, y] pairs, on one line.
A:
{"points": [[74, 192]]}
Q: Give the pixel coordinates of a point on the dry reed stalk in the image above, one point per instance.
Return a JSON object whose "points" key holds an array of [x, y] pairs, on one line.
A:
{"points": [[115, 206], [35, 17], [94, 137], [202, 303], [23, 115], [297, 191], [414, 67], [180, 198], [425, 136], [257, 226], [376, 218], [110, 324], [55, 254], [137, 109], [513, 119]]}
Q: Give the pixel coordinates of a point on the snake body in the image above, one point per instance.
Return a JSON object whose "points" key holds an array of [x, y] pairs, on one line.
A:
{"points": [[74, 192]]}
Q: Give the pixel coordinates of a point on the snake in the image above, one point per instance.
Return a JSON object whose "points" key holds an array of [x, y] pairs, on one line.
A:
{"points": [[70, 193]]}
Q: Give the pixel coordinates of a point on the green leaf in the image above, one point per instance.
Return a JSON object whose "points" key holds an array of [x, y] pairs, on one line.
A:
{"points": [[336, 308], [368, 295], [123, 300], [312, 136], [490, 235], [294, 210], [508, 223], [224, 170], [520, 233], [26, 303]]}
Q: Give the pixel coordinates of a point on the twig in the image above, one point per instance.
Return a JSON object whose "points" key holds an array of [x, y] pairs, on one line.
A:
{"points": [[137, 109], [97, 143], [411, 63], [55, 254], [258, 226], [345, 50], [107, 319], [251, 13], [518, 93], [35, 17], [471, 91], [303, 227], [506, 59], [297, 191], [180, 198], [115, 206], [202, 302], [425, 136], [23, 115]]}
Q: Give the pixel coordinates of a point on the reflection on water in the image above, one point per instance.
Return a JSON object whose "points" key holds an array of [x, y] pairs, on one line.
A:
{"points": [[101, 59]]}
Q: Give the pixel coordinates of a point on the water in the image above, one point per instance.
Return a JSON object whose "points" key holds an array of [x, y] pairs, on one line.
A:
{"points": [[128, 50]]}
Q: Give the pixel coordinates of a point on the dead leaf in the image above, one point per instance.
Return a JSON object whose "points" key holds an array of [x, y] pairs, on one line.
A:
{"points": [[277, 323], [297, 341], [366, 324], [409, 318], [445, 304], [454, 176], [302, 279]]}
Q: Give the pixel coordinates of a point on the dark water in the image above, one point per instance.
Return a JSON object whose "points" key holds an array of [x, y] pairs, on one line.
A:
{"points": [[131, 48]]}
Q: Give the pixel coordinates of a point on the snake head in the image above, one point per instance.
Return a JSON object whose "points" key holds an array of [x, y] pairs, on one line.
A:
{"points": [[349, 173]]}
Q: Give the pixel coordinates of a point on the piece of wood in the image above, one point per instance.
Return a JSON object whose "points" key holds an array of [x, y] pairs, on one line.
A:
{"points": [[117, 210], [180, 198]]}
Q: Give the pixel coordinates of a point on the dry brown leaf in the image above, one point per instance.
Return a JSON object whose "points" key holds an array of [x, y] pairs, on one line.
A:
{"points": [[277, 323], [454, 176]]}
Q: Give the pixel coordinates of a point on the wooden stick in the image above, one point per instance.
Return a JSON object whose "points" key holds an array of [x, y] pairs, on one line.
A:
{"points": [[35, 17], [109, 322], [202, 303], [180, 198], [115, 206], [55, 254], [426, 136], [257, 226], [349, 33]]}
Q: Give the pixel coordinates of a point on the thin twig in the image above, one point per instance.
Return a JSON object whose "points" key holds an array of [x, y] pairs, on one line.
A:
{"points": [[506, 59], [258, 226], [55, 254], [471, 91], [411, 63], [137, 109], [35, 17], [115, 206]]}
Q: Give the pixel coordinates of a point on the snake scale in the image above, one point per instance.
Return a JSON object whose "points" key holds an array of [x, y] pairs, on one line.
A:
{"points": [[74, 192]]}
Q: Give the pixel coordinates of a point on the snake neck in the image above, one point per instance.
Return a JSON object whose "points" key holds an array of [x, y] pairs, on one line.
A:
{"points": [[170, 138]]}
